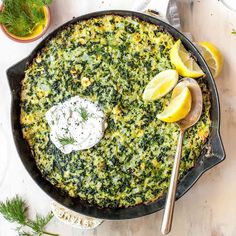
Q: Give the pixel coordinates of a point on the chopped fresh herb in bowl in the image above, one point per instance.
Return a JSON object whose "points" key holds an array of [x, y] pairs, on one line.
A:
{"points": [[23, 18]]}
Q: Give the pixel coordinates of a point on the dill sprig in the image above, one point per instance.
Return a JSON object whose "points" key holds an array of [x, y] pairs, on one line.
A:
{"points": [[15, 210], [21, 16], [84, 114], [66, 140]]}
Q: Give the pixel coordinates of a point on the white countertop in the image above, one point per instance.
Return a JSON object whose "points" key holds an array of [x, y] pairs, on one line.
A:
{"points": [[209, 208]]}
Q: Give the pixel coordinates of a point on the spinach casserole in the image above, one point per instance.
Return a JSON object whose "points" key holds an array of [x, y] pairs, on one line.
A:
{"points": [[109, 60]]}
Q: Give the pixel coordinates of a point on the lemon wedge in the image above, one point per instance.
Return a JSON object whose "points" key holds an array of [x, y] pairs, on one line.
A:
{"points": [[178, 108], [184, 62], [212, 56], [160, 85]]}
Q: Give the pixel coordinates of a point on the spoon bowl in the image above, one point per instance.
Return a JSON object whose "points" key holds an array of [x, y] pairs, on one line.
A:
{"points": [[191, 119], [196, 106]]}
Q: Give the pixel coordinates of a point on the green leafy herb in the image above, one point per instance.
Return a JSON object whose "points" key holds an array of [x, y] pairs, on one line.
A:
{"points": [[233, 31], [66, 140], [24, 233], [15, 210], [20, 17], [84, 114], [40, 223]]}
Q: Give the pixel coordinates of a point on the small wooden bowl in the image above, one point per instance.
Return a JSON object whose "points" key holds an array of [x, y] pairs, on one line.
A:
{"points": [[37, 33]]}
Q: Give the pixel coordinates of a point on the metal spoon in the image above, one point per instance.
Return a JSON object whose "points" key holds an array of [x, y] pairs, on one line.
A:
{"points": [[191, 119]]}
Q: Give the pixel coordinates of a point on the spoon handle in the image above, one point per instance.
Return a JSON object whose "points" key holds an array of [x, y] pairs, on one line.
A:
{"points": [[170, 200]]}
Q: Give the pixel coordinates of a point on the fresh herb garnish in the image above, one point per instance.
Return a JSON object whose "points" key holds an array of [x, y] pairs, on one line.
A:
{"points": [[84, 114], [21, 16], [15, 210], [233, 31], [66, 140]]}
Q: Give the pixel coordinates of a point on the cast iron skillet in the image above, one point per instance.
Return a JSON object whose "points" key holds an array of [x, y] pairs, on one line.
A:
{"points": [[212, 154]]}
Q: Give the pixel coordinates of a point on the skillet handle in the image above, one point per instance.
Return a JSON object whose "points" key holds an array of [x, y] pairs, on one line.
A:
{"points": [[15, 74], [215, 152]]}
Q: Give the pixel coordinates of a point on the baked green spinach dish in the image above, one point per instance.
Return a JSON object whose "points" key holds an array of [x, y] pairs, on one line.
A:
{"points": [[100, 68]]}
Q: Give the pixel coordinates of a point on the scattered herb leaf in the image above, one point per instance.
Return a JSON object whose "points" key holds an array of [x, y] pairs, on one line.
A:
{"points": [[40, 222], [84, 114], [233, 31], [24, 233], [15, 210], [66, 140]]}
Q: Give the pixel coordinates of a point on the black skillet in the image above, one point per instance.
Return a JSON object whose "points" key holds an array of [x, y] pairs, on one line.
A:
{"points": [[212, 154]]}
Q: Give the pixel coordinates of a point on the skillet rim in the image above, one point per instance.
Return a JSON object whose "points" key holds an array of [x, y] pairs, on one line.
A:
{"points": [[16, 73]]}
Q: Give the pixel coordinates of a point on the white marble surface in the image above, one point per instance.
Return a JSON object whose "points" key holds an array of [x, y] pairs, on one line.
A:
{"points": [[209, 208]]}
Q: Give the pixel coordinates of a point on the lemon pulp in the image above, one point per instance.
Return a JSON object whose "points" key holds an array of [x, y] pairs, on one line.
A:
{"points": [[212, 56], [184, 62], [178, 108], [160, 85]]}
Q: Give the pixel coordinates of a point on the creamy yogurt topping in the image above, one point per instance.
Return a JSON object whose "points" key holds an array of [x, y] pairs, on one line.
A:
{"points": [[75, 124]]}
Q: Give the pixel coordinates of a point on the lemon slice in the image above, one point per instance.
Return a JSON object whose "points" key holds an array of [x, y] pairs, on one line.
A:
{"points": [[160, 85], [184, 62], [178, 108], [212, 56]]}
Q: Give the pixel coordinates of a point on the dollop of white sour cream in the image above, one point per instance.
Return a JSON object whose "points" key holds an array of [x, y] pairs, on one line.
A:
{"points": [[75, 124]]}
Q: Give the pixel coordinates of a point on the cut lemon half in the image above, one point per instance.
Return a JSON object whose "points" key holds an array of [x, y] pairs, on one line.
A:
{"points": [[178, 108], [212, 56], [160, 85], [184, 62]]}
